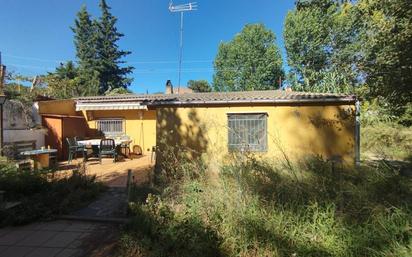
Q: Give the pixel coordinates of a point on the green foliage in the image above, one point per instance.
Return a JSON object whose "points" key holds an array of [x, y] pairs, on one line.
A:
{"points": [[85, 41], [385, 40], [119, 91], [319, 38], [406, 117], [40, 197], [16, 87], [100, 69], [163, 232], [111, 75], [20, 97], [177, 165], [334, 46], [386, 140], [375, 112], [199, 85], [66, 70], [250, 61], [260, 208], [66, 82]]}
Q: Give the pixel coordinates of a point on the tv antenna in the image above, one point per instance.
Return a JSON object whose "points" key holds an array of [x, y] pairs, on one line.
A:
{"points": [[181, 8]]}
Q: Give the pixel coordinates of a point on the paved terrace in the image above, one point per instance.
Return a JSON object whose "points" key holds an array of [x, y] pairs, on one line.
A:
{"points": [[112, 174], [63, 238], [58, 239]]}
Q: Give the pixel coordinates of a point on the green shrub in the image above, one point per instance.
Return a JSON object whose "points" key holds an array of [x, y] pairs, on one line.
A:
{"points": [[259, 208], [41, 198], [406, 117], [176, 165], [387, 141], [156, 230], [379, 110]]}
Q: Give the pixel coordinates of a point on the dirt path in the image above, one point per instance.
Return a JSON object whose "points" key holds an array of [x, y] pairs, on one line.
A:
{"points": [[92, 231]]}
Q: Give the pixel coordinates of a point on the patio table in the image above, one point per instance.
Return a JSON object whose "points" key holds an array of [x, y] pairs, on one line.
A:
{"points": [[40, 157], [95, 143]]}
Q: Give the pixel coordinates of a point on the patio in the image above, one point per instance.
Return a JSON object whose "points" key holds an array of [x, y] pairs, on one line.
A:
{"points": [[113, 174]]}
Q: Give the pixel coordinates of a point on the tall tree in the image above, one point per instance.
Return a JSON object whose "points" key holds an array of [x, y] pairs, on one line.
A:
{"points": [[64, 82], [109, 57], [319, 37], [251, 61], [66, 71], [199, 85], [335, 45], [385, 44], [85, 40]]}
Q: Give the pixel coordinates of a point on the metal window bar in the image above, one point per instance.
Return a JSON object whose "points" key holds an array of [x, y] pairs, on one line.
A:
{"points": [[110, 126], [247, 132]]}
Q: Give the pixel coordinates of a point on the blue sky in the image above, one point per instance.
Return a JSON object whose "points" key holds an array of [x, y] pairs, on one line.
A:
{"points": [[36, 35]]}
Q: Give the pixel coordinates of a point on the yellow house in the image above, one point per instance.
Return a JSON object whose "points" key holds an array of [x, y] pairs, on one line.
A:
{"points": [[211, 125]]}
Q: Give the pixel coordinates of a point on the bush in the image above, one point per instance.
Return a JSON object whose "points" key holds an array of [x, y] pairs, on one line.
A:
{"points": [[259, 208], [177, 164], [156, 230], [387, 141], [41, 198]]}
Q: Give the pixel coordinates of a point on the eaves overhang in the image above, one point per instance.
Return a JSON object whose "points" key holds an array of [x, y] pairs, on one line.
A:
{"points": [[96, 106]]}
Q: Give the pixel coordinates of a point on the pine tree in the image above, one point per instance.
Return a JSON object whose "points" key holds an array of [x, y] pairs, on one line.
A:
{"points": [[111, 74], [85, 38]]}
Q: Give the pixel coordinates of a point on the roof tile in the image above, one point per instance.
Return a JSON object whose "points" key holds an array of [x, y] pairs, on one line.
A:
{"points": [[269, 96]]}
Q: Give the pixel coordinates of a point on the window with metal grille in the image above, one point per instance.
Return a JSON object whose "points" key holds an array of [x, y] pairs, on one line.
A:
{"points": [[110, 126], [247, 132]]}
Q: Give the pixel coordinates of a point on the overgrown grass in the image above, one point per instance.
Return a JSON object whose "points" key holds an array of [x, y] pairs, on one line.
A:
{"points": [[258, 208], [385, 140], [42, 198]]}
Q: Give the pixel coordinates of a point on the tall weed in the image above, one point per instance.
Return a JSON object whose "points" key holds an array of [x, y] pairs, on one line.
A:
{"points": [[386, 141], [258, 208], [41, 198]]}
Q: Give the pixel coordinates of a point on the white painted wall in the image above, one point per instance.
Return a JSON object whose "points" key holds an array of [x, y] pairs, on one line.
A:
{"points": [[13, 135], [17, 124]]}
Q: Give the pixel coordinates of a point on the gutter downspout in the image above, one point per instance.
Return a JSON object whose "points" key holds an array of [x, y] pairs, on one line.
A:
{"points": [[141, 138], [357, 133]]}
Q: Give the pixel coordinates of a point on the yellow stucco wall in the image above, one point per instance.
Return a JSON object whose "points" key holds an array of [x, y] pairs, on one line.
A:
{"points": [[58, 107], [298, 131], [141, 130]]}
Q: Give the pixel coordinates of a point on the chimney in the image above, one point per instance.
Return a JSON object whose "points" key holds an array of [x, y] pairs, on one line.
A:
{"points": [[169, 87]]}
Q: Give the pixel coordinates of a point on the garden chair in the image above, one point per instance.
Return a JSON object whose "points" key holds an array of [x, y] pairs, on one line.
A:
{"points": [[125, 146], [107, 147], [74, 148]]}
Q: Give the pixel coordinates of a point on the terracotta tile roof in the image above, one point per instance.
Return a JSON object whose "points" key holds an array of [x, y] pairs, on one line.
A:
{"points": [[269, 96]]}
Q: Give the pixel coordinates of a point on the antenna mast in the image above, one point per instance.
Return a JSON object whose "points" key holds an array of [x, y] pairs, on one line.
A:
{"points": [[181, 8]]}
